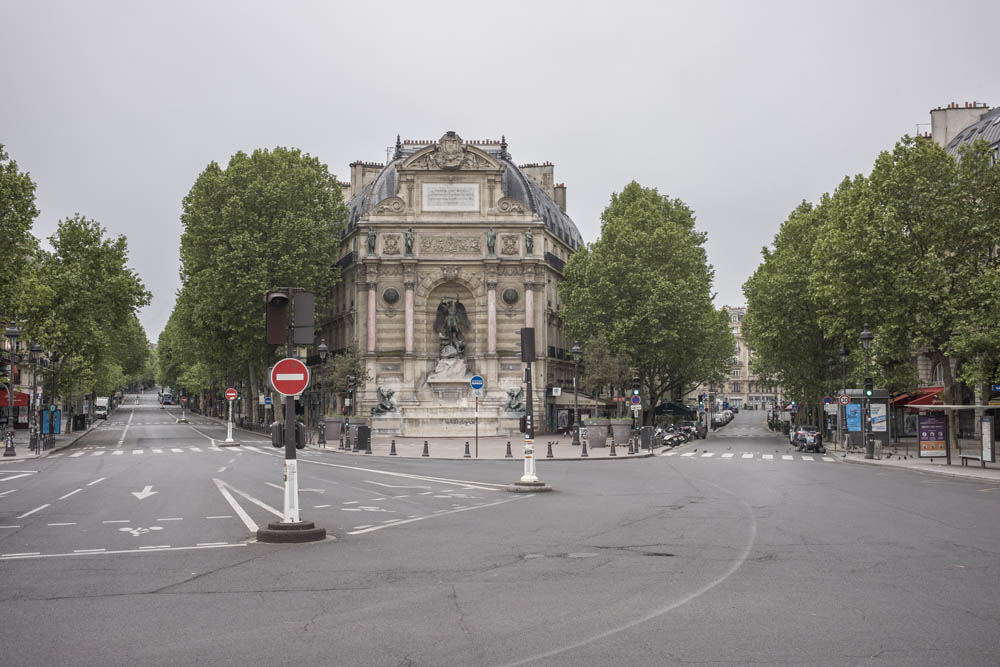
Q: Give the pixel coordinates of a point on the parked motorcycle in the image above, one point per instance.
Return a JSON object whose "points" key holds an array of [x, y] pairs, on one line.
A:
{"points": [[808, 439]]}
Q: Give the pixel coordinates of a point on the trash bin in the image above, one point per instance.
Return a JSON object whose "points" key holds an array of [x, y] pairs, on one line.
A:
{"points": [[646, 437], [364, 438], [79, 422]]}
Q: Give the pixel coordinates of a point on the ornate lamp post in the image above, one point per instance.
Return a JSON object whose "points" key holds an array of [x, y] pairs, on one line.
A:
{"points": [[323, 351], [35, 351], [12, 334], [576, 393], [842, 410], [866, 340]]}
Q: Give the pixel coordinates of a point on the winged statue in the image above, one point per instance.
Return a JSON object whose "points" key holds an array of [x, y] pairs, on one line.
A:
{"points": [[448, 324]]}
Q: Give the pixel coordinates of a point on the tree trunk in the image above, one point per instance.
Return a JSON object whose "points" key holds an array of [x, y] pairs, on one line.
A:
{"points": [[253, 393]]}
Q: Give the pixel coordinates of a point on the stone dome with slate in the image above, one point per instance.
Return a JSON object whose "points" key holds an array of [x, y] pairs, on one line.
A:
{"points": [[986, 128], [530, 184]]}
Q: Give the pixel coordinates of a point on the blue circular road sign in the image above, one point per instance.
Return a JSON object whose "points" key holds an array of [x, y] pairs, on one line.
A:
{"points": [[636, 400], [476, 382], [267, 400]]}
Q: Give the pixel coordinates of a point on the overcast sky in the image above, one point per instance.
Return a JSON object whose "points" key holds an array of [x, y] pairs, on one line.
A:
{"points": [[741, 109]]}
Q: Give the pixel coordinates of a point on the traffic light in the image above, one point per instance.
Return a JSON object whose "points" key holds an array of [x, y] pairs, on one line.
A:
{"points": [[636, 385], [277, 317], [869, 387], [701, 400], [350, 384]]}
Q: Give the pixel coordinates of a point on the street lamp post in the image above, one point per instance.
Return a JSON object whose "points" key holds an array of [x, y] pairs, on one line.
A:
{"points": [[576, 394], [12, 334], [323, 351], [866, 341], [35, 351], [842, 410]]}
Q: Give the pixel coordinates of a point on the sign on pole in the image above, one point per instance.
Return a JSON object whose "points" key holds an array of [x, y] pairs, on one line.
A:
{"points": [[477, 382], [267, 400], [827, 399], [636, 402], [231, 394], [290, 377], [844, 399]]}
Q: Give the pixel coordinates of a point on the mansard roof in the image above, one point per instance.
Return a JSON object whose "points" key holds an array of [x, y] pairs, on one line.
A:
{"points": [[514, 183], [986, 128]]}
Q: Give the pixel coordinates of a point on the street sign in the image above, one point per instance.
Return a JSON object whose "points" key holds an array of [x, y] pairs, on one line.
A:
{"points": [[267, 400], [636, 408], [996, 387], [184, 400], [290, 377], [637, 401], [827, 399], [477, 382], [230, 394], [844, 399], [477, 393]]}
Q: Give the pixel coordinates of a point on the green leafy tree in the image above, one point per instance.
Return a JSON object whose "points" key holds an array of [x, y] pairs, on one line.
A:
{"points": [[604, 369], [82, 306], [269, 219], [17, 245], [649, 280]]}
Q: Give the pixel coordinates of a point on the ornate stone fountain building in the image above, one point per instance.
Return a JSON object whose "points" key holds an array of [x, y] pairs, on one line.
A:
{"points": [[449, 251]]}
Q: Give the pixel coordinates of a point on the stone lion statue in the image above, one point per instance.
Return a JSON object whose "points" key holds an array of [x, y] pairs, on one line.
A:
{"points": [[515, 400], [386, 401]]}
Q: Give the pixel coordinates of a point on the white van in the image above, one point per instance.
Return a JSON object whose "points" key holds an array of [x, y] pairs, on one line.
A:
{"points": [[101, 407]]}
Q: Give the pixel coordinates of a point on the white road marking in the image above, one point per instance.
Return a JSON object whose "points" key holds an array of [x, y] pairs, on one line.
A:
{"points": [[157, 546], [708, 455], [827, 458], [211, 544], [688, 454], [37, 509], [396, 486], [768, 457], [319, 507], [9, 526], [117, 521], [6, 492], [87, 551], [125, 430], [787, 457], [400, 522], [195, 449], [350, 502], [276, 486], [117, 453], [157, 451], [669, 454], [220, 516], [73, 456], [177, 450], [747, 456], [7, 479], [173, 518], [250, 498], [20, 555], [806, 457], [62, 524], [137, 451], [96, 481], [98, 453], [367, 525], [222, 469], [728, 455]]}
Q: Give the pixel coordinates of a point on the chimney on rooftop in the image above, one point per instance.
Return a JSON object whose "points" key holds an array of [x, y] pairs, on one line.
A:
{"points": [[560, 192], [948, 123]]}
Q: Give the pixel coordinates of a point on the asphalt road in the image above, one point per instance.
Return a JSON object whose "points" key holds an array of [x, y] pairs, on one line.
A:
{"points": [[109, 556]]}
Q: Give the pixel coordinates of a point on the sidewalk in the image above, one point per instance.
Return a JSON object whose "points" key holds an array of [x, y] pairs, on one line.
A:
{"points": [[22, 444], [899, 459]]}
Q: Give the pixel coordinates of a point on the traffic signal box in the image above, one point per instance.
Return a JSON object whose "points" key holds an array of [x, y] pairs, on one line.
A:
{"points": [[636, 386], [869, 387]]}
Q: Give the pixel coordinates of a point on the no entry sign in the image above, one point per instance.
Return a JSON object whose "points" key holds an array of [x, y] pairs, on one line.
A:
{"points": [[290, 377], [230, 394]]}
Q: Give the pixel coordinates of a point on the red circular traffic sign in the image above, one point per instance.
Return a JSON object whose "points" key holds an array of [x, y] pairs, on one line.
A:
{"points": [[184, 399], [844, 399], [290, 377], [231, 394]]}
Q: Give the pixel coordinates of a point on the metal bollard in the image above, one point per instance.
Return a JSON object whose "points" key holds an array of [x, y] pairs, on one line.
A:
{"points": [[322, 434], [427, 451], [467, 455], [583, 449], [612, 452], [548, 454], [631, 445], [508, 455], [392, 450]]}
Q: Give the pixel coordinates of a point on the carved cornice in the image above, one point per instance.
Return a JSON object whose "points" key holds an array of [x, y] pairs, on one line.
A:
{"points": [[389, 206], [510, 205]]}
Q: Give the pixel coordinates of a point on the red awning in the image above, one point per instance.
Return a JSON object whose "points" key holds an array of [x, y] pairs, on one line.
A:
{"points": [[926, 396], [20, 400], [902, 399]]}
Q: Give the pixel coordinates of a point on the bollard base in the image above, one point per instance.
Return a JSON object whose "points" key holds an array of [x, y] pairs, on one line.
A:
{"points": [[528, 487], [284, 533], [224, 443]]}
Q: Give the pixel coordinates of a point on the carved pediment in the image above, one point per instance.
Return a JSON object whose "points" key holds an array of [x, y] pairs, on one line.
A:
{"points": [[389, 206], [450, 153]]}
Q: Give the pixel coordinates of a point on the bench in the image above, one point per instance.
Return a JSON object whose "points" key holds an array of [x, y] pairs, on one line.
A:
{"points": [[972, 457]]}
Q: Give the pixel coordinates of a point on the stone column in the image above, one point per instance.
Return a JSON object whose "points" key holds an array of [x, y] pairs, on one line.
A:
{"points": [[491, 316], [372, 289], [408, 309], [529, 304]]}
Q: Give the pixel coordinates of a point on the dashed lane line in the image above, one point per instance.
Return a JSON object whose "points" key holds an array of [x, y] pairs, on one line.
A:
{"points": [[37, 509], [92, 552], [400, 522]]}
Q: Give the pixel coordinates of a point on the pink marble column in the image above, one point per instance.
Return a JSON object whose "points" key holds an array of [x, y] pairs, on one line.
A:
{"points": [[491, 317], [529, 305], [371, 316], [408, 306]]}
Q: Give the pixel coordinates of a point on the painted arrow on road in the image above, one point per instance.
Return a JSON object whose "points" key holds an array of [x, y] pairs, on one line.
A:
{"points": [[145, 493]]}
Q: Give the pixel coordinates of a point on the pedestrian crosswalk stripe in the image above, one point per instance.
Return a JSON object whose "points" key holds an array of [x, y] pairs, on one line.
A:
{"points": [[99, 452], [177, 450], [728, 455], [137, 451], [157, 451], [669, 454], [73, 456], [688, 454], [748, 456], [118, 453], [827, 458], [768, 456], [708, 455], [806, 457], [786, 457]]}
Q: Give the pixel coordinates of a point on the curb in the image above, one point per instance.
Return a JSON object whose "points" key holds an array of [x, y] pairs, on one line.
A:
{"points": [[923, 471]]}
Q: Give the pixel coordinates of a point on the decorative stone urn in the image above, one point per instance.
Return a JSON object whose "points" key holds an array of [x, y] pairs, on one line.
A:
{"points": [[620, 429], [597, 431]]}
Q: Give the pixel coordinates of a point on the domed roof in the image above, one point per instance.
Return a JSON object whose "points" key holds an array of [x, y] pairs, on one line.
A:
{"points": [[986, 128], [515, 184]]}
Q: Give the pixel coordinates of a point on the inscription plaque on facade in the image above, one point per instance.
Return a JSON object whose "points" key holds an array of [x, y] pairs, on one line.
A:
{"points": [[451, 196]]}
